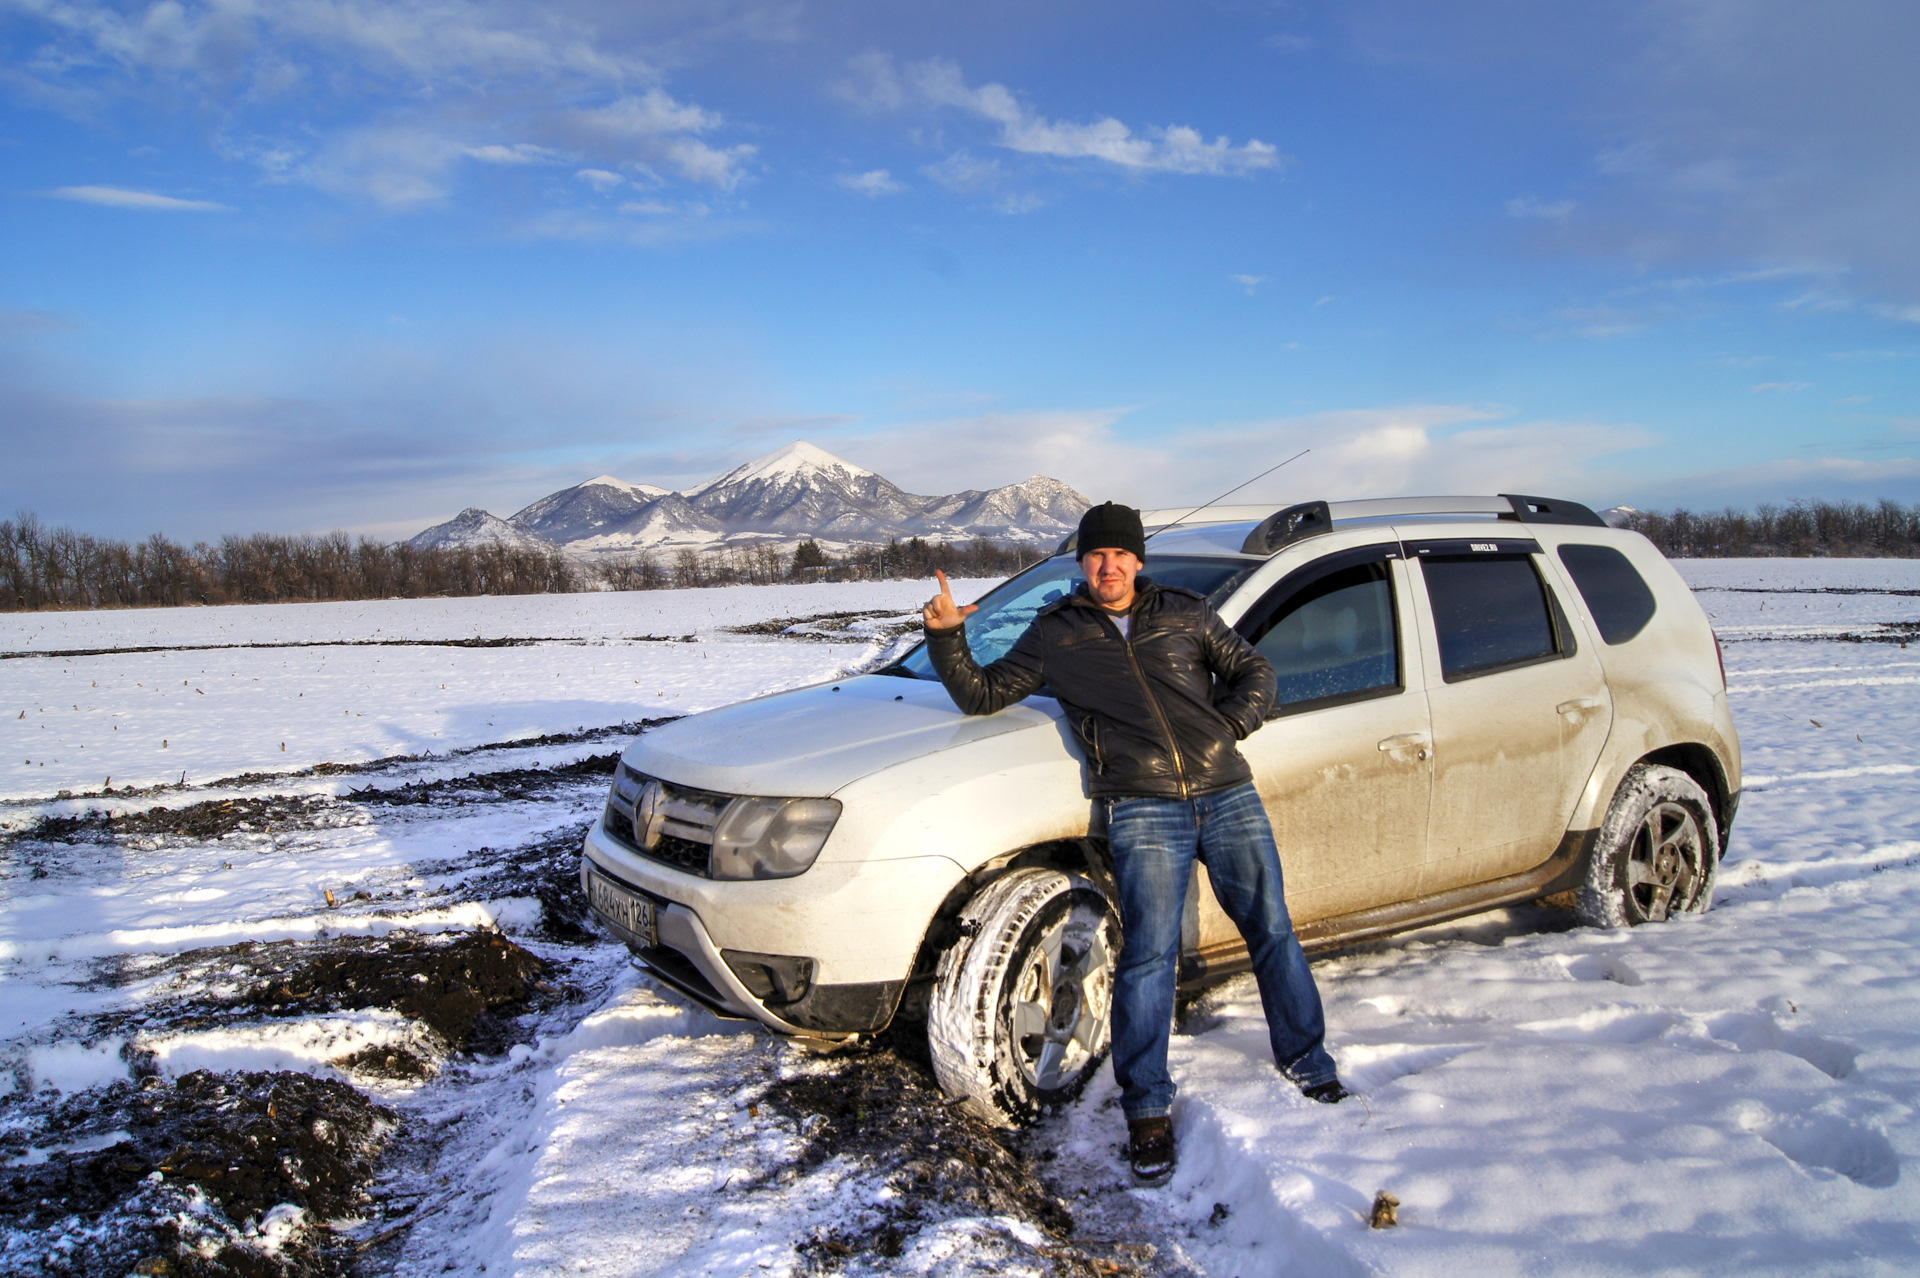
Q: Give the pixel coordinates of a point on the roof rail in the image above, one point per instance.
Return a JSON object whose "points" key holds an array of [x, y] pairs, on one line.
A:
{"points": [[1279, 528], [1284, 527], [1552, 510]]}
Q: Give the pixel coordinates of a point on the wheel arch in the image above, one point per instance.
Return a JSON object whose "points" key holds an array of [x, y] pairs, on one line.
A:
{"points": [[1699, 761], [1087, 856]]}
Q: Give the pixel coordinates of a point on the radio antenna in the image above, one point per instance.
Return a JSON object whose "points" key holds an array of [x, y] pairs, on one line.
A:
{"points": [[1223, 496]]}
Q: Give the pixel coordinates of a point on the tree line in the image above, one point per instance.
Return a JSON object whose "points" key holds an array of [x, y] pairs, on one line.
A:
{"points": [[56, 567], [915, 558], [1869, 530]]}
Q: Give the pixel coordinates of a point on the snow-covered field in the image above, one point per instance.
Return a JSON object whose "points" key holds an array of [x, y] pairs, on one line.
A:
{"points": [[1730, 1093], [216, 692]]}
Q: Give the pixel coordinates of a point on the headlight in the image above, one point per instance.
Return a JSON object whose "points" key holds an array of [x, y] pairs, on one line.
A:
{"points": [[770, 838]]}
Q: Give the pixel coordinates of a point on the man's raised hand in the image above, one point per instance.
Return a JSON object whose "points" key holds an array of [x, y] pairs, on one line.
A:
{"points": [[941, 612]]}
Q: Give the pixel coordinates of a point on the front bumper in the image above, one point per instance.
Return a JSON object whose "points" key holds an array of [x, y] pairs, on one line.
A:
{"points": [[862, 923]]}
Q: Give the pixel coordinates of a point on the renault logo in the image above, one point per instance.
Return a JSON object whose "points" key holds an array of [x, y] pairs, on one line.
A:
{"points": [[647, 815]]}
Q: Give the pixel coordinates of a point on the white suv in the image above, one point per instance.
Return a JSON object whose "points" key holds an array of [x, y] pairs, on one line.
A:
{"points": [[1482, 700]]}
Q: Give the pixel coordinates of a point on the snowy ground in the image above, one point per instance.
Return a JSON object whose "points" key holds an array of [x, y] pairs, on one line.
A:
{"points": [[1730, 1093]]}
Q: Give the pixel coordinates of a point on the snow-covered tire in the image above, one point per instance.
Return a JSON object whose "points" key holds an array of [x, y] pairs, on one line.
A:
{"points": [[1019, 1016], [1657, 852]]}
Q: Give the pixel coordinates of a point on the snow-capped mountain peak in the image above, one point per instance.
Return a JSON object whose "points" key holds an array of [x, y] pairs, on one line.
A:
{"points": [[800, 491], [624, 485], [476, 527], [797, 461]]}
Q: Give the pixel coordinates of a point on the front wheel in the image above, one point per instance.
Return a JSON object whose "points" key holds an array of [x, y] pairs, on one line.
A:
{"points": [[1019, 1016], [1657, 852]]}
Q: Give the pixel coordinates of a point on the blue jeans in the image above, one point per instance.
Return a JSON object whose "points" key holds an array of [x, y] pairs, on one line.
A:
{"points": [[1154, 844]]}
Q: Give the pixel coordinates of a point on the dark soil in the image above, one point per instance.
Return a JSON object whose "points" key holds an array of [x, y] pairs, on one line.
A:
{"points": [[205, 822], [446, 985], [215, 819], [548, 870], [340, 643], [488, 787], [247, 1141], [467, 987], [828, 627], [606, 732], [1896, 632], [888, 1115]]}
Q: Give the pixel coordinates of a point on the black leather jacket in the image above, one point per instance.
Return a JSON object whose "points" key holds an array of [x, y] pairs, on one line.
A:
{"points": [[1158, 712]]}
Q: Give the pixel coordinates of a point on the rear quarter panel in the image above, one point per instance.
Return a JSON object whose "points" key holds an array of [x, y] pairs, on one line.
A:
{"points": [[1665, 681]]}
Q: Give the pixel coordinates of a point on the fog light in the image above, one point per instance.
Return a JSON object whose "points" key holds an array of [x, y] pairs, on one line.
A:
{"points": [[776, 978]]}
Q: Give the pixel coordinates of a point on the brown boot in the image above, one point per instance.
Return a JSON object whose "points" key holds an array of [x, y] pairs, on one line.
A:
{"points": [[1150, 1149]]}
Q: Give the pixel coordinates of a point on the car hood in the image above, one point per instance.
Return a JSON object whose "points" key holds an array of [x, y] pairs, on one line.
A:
{"points": [[812, 741]]}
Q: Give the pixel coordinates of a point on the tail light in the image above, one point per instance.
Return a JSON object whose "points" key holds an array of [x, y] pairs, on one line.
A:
{"points": [[1720, 654]]}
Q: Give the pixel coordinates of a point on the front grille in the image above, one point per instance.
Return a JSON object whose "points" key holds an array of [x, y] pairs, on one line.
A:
{"points": [[686, 834]]}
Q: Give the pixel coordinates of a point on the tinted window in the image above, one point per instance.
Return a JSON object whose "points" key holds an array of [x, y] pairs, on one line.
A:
{"points": [[1006, 610], [1335, 637], [1616, 595], [1488, 613]]}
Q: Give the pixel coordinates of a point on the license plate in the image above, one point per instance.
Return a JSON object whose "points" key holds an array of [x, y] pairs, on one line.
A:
{"points": [[622, 908]]}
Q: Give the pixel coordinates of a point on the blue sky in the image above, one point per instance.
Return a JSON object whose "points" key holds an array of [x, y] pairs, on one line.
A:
{"points": [[296, 266]]}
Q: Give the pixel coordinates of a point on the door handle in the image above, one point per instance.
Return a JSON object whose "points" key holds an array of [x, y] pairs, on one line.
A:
{"points": [[1578, 704], [1415, 741]]}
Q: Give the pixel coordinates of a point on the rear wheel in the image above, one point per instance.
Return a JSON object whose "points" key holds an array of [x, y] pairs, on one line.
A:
{"points": [[1657, 852], [1019, 1016]]}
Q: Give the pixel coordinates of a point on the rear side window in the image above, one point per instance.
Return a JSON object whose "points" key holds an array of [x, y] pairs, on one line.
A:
{"points": [[1616, 594], [1335, 638], [1489, 614]]}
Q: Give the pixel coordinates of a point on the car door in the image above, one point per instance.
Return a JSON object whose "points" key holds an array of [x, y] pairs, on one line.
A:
{"points": [[1344, 766], [1520, 709]]}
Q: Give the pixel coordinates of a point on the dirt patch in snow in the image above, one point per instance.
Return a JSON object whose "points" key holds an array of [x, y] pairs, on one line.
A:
{"points": [[189, 1177], [505, 786], [548, 869], [834, 627], [215, 819], [883, 1112], [467, 987]]}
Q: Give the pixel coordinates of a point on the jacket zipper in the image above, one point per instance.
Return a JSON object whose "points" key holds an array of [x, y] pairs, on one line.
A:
{"points": [[1179, 765]]}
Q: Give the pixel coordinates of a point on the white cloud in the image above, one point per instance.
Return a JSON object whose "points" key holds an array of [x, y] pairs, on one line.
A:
{"points": [[1249, 282], [1383, 452], [385, 95], [1527, 206], [1765, 388], [873, 182], [399, 167], [655, 129], [938, 82], [600, 179], [518, 153], [965, 173], [121, 198]]}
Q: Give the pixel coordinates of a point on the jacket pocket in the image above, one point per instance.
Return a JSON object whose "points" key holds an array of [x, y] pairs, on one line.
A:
{"points": [[1089, 733]]}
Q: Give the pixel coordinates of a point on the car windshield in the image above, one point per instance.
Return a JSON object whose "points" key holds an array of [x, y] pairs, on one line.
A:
{"points": [[1007, 608]]}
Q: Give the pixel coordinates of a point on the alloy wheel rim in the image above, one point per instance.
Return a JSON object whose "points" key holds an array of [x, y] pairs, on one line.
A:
{"points": [[1060, 997], [1666, 864]]}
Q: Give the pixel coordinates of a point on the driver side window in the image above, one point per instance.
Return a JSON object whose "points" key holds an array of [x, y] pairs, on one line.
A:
{"points": [[1333, 639]]}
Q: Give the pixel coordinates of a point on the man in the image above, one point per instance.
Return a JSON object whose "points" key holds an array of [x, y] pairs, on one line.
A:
{"points": [[1159, 690]]}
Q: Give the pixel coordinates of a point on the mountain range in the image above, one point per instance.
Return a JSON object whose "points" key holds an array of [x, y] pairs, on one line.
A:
{"points": [[798, 493]]}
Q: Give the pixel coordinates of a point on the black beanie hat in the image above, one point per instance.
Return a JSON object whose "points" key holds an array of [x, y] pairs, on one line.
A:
{"points": [[1111, 526]]}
